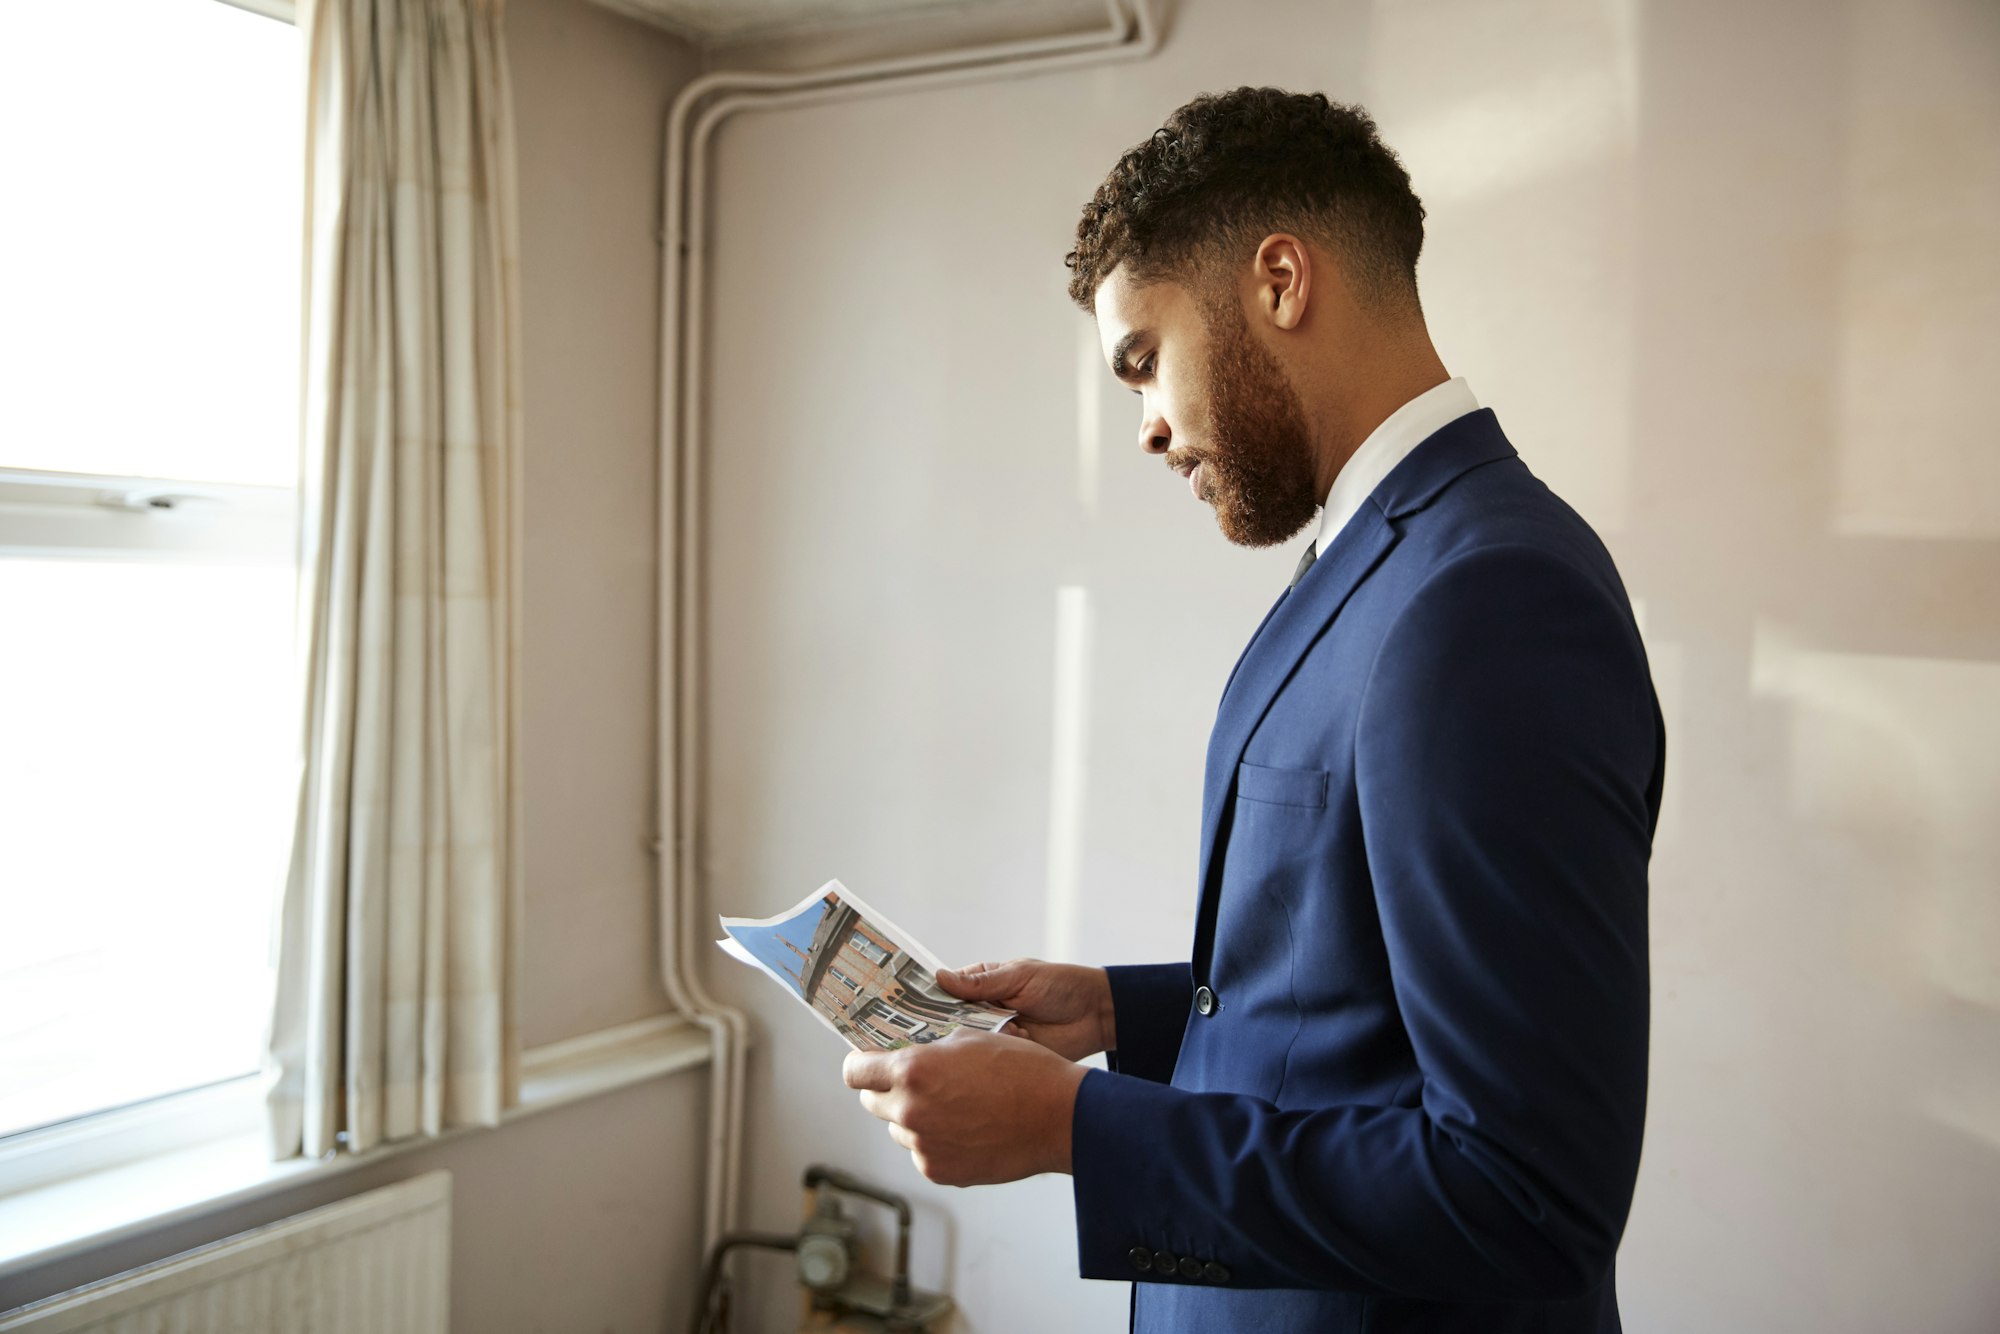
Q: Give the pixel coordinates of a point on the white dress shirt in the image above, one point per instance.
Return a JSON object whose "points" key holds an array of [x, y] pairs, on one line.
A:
{"points": [[1386, 446]]}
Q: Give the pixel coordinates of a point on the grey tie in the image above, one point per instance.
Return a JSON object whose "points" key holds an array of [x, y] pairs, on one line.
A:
{"points": [[1306, 561]]}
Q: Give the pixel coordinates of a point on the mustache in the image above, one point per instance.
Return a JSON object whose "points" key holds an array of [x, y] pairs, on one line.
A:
{"points": [[1183, 460]]}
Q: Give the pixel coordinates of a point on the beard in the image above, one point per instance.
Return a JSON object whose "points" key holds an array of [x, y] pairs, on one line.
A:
{"points": [[1255, 450]]}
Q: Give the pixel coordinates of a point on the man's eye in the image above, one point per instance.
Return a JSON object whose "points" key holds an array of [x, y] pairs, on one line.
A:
{"points": [[1146, 366]]}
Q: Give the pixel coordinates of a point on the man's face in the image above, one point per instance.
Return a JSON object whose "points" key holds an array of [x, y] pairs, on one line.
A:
{"points": [[1215, 402]]}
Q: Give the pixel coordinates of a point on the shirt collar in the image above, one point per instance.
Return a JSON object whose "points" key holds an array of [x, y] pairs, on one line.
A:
{"points": [[1386, 446]]}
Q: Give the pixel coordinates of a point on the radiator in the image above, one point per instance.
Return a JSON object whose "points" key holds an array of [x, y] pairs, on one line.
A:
{"points": [[378, 1263]]}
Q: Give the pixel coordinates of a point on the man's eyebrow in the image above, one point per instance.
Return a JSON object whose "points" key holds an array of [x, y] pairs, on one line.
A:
{"points": [[1118, 366]]}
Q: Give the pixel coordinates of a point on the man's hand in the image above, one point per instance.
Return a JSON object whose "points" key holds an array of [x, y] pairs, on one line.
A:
{"points": [[975, 1109], [1063, 1006]]}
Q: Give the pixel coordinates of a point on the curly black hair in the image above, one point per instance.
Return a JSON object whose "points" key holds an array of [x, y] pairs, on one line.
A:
{"points": [[1227, 170]]}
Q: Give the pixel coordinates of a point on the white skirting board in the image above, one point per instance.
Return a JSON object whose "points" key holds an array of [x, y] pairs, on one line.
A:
{"points": [[378, 1263]]}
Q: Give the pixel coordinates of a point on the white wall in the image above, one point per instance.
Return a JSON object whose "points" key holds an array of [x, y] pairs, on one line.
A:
{"points": [[591, 91], [1726, 272]]}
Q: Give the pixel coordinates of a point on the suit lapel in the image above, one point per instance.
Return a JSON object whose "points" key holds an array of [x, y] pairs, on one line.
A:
{"points": [[1303, 613], [1254, 634]]}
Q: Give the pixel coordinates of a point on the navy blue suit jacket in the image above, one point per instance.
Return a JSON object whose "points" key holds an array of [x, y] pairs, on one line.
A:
{"points": [[1412, 1095]]}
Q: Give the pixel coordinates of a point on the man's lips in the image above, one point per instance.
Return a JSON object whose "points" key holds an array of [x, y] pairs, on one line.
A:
{"points": [[1193, 471]]}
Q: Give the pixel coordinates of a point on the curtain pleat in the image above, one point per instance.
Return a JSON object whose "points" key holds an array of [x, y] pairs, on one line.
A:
{"points": [[398, 940]]}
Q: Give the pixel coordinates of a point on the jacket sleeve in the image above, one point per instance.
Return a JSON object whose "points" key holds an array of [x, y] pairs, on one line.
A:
{"points": [[1150, 1002], [1506, 762]]}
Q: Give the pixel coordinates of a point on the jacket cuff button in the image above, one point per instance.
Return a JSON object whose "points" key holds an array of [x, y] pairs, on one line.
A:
{"points": [[1214, 1272], [1141, 1258]]}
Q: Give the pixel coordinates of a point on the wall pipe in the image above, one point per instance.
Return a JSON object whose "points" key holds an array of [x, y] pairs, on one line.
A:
{"points": [[683, 281]]}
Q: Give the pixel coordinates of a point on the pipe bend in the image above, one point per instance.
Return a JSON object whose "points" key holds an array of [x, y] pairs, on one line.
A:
{"points": [[1126, 36]]}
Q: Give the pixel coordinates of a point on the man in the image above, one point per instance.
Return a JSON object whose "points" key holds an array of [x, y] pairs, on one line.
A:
{"points": [[1399, 1084]]}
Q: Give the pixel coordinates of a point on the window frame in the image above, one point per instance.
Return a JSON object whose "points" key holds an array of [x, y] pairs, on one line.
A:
{"points": [[102, 516], [98, 516], [114, 1136]]}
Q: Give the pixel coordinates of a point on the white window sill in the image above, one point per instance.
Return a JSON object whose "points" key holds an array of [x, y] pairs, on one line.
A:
{"points": [[61, 1218]]}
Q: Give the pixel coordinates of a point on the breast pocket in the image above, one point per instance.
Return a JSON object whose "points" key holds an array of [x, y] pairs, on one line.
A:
{"points": [[1282, 787], [1271, 864]]}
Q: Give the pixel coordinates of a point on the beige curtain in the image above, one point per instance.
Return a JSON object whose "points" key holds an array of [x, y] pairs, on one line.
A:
{"points": [[398, 937]]}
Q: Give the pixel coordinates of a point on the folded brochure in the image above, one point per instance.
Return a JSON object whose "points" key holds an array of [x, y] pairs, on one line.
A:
{"points": [[865, 978]]}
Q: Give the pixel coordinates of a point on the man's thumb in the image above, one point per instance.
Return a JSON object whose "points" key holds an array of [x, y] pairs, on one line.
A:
{"points": [[981, 981]]}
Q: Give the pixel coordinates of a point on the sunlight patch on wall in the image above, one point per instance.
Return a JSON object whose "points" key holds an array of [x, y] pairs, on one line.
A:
{"points": [[1919, 274], [1547, 125], [1069, 756], [1526, 169], [1894, 773], [1895, 764]]}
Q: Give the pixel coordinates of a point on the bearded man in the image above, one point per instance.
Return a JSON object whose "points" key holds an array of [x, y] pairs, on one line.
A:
{"points": [[1399, 1082]]}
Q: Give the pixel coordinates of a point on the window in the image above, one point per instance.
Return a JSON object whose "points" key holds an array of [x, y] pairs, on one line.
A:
{"points": [[149, 356], [868, 949], [844, 979]]}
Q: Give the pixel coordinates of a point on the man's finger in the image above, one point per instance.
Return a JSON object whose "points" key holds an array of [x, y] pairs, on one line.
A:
{"points": [[886, 1106], [868, 1070]]}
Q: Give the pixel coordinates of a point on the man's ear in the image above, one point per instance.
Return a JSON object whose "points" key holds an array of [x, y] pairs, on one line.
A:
{"points": [[1284, 279]]}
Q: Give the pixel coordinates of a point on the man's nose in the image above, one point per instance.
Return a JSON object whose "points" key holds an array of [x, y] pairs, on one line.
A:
{"points": [[1154, 437]]}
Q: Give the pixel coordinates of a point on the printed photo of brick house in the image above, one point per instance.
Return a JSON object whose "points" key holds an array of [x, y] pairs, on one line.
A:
{"points": [[875, 994]]}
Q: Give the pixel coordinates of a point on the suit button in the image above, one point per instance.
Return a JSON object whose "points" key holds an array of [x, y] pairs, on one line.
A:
{"points": [[1204, 1001], [1165, 1263], [1142, 1259], [1214, 1272], [1190, 1267]]}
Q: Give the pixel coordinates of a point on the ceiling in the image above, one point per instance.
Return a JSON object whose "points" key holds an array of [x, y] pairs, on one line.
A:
{"points": [[731, 22], [727, 20]]}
